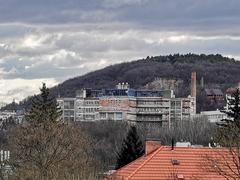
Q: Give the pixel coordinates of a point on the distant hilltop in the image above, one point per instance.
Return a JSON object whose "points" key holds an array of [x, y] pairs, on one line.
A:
{"points": [[213, 71]]}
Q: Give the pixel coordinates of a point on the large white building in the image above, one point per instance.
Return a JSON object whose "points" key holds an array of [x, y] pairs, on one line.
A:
{"points": [[67, 106], [86, 109], [79, 109], [165, 111], [6, 116], [214, 116], [128, 104]]}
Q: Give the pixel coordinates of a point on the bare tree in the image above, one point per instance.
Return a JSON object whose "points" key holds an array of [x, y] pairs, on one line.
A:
{"points": [[196, 131], [226, 161], [44, 147]]}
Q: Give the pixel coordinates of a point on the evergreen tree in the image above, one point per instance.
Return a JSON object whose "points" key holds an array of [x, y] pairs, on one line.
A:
{"points": [[228, 133], [132, 148], [44, 108], [233, 112]]}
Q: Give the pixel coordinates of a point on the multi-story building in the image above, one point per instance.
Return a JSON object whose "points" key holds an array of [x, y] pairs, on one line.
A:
{"points": [[11, 116], [164, 111], [123, 103], [113, 107], [67, 106], [149, 109], [83, 107], [214, 116], [182, 108], [214, 95], [86, 109]]}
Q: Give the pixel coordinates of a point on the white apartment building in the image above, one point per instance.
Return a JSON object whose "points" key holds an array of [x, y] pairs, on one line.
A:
{"points": [[86, 109], [132, 105], [164, 111], [182, 109], [149, 109], [79, 109], [214, 116], [67, 106]]}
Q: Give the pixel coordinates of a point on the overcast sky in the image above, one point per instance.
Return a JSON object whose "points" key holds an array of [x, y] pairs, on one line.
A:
{"points": [[53, 40]]}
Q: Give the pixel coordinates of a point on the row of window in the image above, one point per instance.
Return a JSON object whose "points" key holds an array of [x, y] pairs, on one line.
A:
{"points": [[111, 116], [68, 104], [151, 118], [166, 103], [68, 113], [87, 110], [152, 109], [91, 102]]}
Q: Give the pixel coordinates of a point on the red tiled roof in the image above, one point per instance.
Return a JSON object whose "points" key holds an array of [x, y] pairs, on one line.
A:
{"points": [[190, 163]]}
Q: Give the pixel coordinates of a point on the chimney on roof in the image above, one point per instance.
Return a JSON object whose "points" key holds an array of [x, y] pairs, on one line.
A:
{"points": [[172, 144], [119, 86], [194, 84], [151, 145]]}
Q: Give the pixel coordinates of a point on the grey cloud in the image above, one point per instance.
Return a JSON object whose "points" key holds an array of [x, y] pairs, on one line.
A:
{"points": [[58, 39], [171, 14], [122, 3], [67, 53]]}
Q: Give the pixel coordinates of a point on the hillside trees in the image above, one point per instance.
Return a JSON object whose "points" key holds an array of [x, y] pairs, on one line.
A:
{"points": [[215, 69], [45, 147]]}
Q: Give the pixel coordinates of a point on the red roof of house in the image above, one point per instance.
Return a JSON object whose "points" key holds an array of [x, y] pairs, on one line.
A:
{"points": [[181, 163]]}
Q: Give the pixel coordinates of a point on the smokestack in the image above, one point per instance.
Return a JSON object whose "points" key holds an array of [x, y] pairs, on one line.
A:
{"points": [[202, 82], [194, 84]]}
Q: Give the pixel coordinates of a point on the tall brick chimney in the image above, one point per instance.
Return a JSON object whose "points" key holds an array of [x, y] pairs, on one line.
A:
{"points": [[194, 84], [151, 145]]}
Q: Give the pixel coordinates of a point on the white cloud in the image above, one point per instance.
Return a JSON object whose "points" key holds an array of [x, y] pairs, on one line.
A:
{"points": [[119, 3], [21, 88], [59, 39]]}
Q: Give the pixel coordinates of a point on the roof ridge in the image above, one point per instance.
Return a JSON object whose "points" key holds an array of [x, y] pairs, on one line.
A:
{"points": [[148, 159]]}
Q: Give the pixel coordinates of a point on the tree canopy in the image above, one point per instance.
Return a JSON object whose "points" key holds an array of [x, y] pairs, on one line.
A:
{"points": [[132, 148], [46, 147]]}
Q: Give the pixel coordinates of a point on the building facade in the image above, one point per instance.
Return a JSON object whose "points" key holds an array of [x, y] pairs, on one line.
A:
{"points": [[113, 107], [67, 106], [133, 105], [214, 116], [149, 109], [86, 109]]}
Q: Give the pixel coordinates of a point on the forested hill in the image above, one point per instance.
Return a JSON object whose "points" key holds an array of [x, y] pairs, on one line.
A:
{"points": [[215, 69]]}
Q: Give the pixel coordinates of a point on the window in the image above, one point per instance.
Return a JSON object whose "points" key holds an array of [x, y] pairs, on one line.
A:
{"points": [[69, 104], [119, 115], [178, 103], [111, 116], [103, 115], [68, 113]]}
